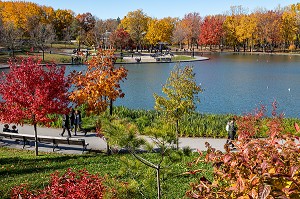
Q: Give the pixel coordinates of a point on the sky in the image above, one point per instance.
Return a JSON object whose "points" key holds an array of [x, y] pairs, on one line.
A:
{"points": [[106, 9]]}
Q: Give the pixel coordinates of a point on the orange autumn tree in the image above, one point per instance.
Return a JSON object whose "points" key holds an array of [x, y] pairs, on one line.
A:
{"points": [[99, 86]]}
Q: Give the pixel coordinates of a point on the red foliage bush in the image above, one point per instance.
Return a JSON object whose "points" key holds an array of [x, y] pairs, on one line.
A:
{"points": [[260, 168], [70, 185]]}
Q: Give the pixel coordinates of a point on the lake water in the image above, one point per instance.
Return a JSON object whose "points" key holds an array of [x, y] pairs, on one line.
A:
{"points": [[232, 83]]}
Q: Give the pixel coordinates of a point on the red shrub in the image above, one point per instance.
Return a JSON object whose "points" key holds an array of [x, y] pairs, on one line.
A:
{"points": [[260, 168], [70, 185]]}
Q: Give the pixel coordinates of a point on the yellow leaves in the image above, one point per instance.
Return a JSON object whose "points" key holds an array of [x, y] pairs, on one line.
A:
{"points": [[272, 170], [21, 14], [246, 27], [288, 25], [135, 23], [160, 30]]}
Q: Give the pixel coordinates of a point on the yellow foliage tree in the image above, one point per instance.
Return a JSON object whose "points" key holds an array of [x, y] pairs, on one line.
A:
{"points": [[246, 30], [136, 23], [288, 28], [160, 30], [22, 14]]}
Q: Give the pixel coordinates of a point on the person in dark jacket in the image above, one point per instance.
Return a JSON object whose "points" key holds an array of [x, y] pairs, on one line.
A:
{"points": [[66, 125], [72, 119], [6, 128], [77, 122], [14, 129]]}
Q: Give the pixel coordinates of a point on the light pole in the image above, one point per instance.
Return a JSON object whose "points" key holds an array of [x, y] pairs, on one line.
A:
{"points": [[105, 38], [193, 53]]}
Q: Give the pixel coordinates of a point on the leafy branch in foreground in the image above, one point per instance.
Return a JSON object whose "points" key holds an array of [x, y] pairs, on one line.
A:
{"points": [[260, 168]]}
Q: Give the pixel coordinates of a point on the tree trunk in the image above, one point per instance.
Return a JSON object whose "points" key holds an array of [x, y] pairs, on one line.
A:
{"points": [[177, 133], [36, 140], [108, 151], [13, 52], [111, 107], [43, 55], [158, 182]]}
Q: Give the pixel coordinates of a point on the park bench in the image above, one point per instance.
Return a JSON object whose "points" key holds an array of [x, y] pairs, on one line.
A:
{"points": [[26, 138]]}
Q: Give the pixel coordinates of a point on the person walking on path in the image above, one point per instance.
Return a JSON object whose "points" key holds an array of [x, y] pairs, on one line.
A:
{"points": [[231, 130], [66, 125], [72, 119], [77, 122]]}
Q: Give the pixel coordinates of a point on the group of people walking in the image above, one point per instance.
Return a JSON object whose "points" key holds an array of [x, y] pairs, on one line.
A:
{"points": [[72, 121]]}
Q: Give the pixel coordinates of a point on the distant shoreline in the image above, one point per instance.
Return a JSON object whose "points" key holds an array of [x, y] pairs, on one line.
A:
{"points": [[198, 58]]}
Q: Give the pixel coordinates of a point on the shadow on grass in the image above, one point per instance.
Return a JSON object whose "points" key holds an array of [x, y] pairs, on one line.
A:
{"points": [[41, 163]]}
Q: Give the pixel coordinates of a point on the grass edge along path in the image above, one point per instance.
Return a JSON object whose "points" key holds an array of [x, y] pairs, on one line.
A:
{"points": [[22, 166]]}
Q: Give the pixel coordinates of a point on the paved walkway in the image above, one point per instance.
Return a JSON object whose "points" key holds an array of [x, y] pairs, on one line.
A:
{"points": [[95, 143], [145, 58], [148, 59]]}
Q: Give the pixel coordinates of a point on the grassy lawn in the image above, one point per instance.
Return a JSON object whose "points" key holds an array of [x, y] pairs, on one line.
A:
{"points": [[63, 46], [182, 58], [22, 166], [49, 58]]}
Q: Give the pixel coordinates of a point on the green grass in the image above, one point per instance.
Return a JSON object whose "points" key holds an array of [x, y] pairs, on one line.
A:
{"points": [[49, 58], [22, 166], [63, 46], [182, 58]]}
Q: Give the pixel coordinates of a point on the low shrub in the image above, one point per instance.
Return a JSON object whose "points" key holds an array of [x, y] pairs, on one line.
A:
{"points": [[260, 168], [71, 185]]}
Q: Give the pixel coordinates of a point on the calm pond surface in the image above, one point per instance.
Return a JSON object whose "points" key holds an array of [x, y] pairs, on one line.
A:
{"points": [[232, 83]]}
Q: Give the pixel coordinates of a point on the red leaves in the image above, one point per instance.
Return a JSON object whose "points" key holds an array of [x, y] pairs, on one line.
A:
{"points": [[264, 191], [70, 185], [30, 89], [260, 168], [120, 38], [211, 30]]}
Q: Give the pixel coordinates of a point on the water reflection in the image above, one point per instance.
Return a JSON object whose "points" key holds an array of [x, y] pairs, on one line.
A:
{"points": [[233, 83]]}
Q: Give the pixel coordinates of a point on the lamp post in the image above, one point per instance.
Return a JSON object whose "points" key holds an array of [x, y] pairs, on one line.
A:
{"points": [[193, 53], [105, 38]]}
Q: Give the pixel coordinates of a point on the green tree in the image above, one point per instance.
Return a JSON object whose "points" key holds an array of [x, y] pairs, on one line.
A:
{"points": [[181, 93], [121, 133]]}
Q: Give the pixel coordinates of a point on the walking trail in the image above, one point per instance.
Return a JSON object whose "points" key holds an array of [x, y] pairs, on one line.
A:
{"points": [[95, 143]]}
